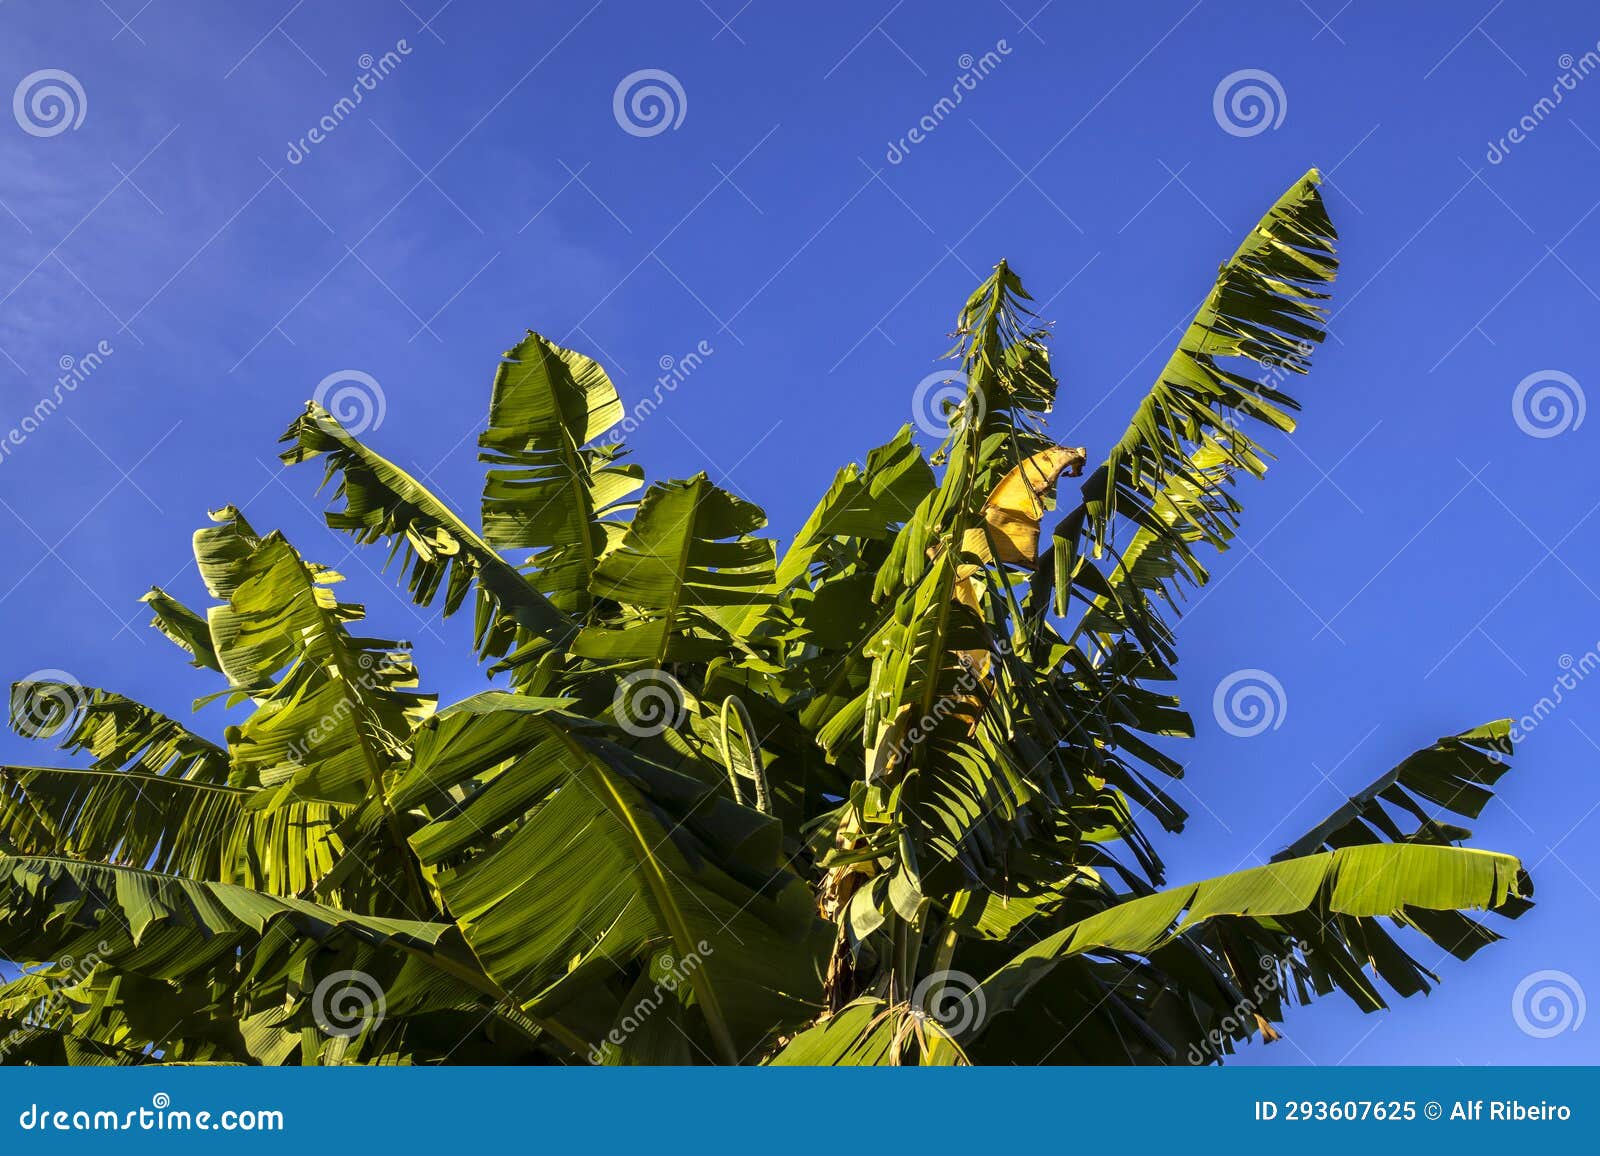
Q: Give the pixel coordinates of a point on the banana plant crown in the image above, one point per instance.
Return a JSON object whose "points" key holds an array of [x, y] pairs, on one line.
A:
{"points": [[882, 797]]}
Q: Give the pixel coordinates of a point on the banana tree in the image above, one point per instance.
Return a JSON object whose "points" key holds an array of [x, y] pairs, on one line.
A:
{"points": [[884, 798]]}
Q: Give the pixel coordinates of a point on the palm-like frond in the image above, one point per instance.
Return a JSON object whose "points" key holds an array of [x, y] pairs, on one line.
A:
{"points": [[1264, 308], [333, 711], [441, 552], [148, 949], [1360, 882], [569, 861], [155, 795]]}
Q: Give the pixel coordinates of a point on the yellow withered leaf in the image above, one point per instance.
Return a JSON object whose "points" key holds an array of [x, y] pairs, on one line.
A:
{"points": [[969, 592], [1015, 507]]}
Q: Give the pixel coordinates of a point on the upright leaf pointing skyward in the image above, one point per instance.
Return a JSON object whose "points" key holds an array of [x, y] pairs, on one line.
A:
{"points": [[549, 489], [1264, 308], [678, 575]]}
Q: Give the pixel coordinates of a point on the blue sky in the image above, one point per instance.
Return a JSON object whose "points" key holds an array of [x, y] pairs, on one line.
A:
{"points": [[1415, 563]]}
